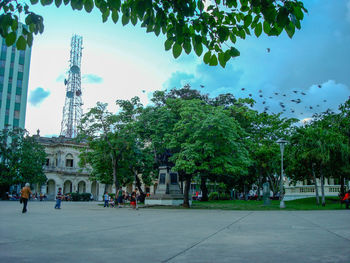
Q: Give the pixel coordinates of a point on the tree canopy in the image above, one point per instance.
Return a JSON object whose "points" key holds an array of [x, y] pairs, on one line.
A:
{"points": [[209, 27], [21, 158]]}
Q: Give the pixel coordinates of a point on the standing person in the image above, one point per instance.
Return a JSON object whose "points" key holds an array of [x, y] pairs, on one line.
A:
{"points": [[119, 195], [106, 199], [59, 197], [346, 199], [133, 200], [25, 194]]}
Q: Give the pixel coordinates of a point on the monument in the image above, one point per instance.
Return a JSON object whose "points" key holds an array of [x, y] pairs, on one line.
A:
{"points": [[266, 194], [168, 190]]}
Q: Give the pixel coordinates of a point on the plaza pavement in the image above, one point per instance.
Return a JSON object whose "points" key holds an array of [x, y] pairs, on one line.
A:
{"points": [[86, 232]]}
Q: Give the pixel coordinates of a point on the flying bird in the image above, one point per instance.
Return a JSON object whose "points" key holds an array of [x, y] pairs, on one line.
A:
{"points": [[295, 91], [202, 86], [268, 50], [303, 93], [242, 88], [319, 86]]}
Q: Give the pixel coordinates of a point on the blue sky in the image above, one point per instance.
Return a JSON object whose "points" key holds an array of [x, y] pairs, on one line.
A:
{"points": [[120, 62]]}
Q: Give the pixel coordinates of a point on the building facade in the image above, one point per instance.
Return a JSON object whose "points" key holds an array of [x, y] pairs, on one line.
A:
{"points": [[62, 169], [14, 76]]}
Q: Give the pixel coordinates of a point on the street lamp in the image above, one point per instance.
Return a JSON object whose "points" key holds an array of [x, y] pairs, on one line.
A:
{"points": [[281, 142]]}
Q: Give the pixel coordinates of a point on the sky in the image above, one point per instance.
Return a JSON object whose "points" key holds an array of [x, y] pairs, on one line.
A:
{"points": [[122, 62]]}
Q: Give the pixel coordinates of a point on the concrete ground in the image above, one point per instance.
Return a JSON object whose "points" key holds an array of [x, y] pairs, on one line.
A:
{"points": [[86, 232]]}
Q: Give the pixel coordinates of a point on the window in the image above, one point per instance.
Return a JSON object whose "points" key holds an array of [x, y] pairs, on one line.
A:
{"points": [[47, 163], [20, 69], [69, 160], [19, 83], [17, 106], [18, 99], [15, 122], [2, 63], [16, 114], [2, 71], [18, 90], [3, 48], [21, 61], [1, 80]]}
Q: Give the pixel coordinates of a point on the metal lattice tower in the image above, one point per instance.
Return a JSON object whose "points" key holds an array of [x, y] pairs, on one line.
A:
{"points": [[72, 110]]}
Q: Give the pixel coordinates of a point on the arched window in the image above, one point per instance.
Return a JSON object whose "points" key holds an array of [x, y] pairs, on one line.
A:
{"points": [[69, 160]]}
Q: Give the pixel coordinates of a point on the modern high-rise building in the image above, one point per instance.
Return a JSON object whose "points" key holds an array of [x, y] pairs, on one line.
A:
{"points": [[14, 76]]}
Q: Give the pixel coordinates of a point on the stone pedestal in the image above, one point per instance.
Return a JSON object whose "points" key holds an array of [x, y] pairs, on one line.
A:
{"points": [[266, 193], [168, 191]]}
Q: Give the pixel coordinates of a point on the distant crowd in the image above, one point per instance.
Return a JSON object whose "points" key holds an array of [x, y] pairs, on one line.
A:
{"points": [[122, 198], [17, 196]]}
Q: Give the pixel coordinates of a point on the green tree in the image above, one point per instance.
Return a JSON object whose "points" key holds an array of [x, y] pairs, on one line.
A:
{"points": [[189, 25], [21, 159], [115, 152], [319, 148], [206, 141]]}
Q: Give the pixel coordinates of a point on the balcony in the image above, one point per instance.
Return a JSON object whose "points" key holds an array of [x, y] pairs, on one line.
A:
{"points": [[67, 170]]}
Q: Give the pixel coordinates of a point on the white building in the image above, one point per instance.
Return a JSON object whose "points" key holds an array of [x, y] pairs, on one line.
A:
{"points": [[62, 169]]}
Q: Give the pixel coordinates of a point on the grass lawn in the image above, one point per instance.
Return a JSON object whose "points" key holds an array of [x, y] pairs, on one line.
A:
{"points": [[332, 203]]}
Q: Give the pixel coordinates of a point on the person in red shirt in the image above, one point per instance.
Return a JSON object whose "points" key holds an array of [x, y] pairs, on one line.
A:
{"points": [[346, 199]]}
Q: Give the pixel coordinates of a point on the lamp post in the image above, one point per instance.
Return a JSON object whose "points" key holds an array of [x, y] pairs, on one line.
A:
{"points": [[281, 142]]}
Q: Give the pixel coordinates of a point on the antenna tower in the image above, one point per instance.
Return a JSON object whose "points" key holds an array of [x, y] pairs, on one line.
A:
{"points": [[72, 110]]}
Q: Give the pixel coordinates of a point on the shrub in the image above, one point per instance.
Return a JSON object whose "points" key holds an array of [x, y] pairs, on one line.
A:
{"points": [[85, 197], [213, 196], [224, 196], [80, 196], [218, 196], [75, 196]]}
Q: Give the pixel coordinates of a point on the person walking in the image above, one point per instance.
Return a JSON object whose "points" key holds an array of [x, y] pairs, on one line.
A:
{"points": [[25, 194], [59, 198]]}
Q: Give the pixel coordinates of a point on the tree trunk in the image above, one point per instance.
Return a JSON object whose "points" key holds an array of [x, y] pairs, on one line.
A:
{"points": [[259, 184], [115, 180], [316, 187], [138, 184], [342, 185], [187, 189], [245, 193], [322, 189], [204, 189]]}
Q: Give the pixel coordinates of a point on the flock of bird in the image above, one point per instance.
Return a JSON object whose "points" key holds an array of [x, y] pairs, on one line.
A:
{"points": [[286, 101]]}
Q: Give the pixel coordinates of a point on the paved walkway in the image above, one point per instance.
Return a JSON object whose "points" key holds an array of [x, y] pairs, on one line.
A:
{"points": [[86, 232]]}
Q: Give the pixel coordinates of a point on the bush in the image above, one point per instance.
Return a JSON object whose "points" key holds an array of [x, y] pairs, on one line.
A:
{"points": [[80, 197], [213, 196], [85, 197], [75, 196], [224, 196], [218, 196]]}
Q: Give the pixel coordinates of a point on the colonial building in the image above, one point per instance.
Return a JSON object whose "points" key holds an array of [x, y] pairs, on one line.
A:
{"points": [[62, 168]]}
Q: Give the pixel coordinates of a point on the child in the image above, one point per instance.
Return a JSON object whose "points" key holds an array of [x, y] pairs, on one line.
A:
{"points": [[106, 199], [58, 199], [111, 203], [133, 200]]}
